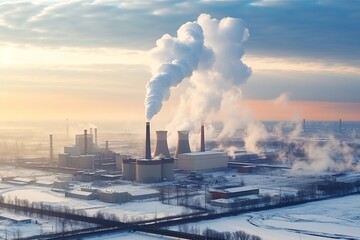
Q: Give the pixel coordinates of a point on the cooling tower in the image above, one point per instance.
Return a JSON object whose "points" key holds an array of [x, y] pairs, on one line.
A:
{"points": [[161, 148], [202, 139], [183, 143], [147, 142]]}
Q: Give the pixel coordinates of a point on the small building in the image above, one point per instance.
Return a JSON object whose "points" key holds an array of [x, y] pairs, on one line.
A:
{"points": [[61, 185], [44, 183], [233, 192], [113, 196], [198, 161], [14, 218], [144, 194], [81, 194], [244, 201], [21, 181]]}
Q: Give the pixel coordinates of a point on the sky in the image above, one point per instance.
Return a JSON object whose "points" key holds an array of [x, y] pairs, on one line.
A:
{"points": [[89, 59]]}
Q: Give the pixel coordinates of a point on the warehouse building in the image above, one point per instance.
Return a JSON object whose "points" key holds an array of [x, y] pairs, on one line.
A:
{"points": [[199, 161]]}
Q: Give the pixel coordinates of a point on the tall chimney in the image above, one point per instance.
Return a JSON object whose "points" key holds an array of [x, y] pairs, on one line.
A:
{"points": [[51, 148], [340, 125], [107, 146], [147, 142], [85, 142], [304, 125], [202, 139], [161, 148], [183, 143], [96, 140]]}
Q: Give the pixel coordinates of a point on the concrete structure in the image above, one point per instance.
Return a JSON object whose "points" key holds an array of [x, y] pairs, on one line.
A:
{"points": [[148, 170], [245, 201], [87, 146], [119, 160], [202, 161], [226, 193], [161, 148], [72, 150], [144, 194], [129, 169], [63, 159], [81, 195], [167, 169], [14, 218], [147, 142], [113, 196], [183, 143]]}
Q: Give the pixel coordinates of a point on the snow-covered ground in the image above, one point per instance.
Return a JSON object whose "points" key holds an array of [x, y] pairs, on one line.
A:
{"points": [[336, 218], [329, 219]]}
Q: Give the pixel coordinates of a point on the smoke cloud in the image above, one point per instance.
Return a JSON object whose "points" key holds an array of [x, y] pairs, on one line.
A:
{"points": [[208, 51]]}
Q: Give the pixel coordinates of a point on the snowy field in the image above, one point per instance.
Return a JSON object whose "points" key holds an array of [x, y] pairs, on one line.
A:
{"points": [[329, 219]]}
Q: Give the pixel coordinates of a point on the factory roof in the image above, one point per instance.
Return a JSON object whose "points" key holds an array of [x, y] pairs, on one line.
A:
{"points": [[234, 189], [82, 193], [13, 217], [202, 153], [236, 199]]}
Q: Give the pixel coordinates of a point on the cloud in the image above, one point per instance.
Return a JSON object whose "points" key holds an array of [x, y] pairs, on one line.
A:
{"points": [[314, 29], [282, 100]]}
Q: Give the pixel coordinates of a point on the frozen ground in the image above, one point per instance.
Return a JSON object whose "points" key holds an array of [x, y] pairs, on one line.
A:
{"points": [[329, 219]]}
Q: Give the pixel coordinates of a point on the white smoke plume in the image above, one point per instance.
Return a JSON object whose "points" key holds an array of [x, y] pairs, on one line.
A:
{"points": [[208, 51], [332, 155], [174, 59]]}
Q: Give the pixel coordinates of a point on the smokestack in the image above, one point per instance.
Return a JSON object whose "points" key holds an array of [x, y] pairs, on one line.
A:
{"points": [[161, 148], [340, 125], [202, 139], [51, 149], [85, 142], [107, 146], [96, 137], [304, 124], [183, 143], [147, 142]]}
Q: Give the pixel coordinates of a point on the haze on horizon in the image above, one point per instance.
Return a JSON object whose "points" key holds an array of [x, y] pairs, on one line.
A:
{"points": [[88, 59]]}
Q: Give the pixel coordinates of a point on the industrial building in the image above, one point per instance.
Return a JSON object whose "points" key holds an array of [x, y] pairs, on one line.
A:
{"points": [[113, 196], [198, 161], [81, 195], [85, 154], [235, 197], [227, 193], [149, 170]]}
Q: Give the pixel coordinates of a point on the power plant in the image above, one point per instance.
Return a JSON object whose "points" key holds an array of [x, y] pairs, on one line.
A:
{"points": [[183, 145]]}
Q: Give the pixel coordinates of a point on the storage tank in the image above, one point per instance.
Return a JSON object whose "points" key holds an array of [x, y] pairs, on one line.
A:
{"points": [[161, 148], [183, 143], [148, 171], [167, 169], [129, 169]]}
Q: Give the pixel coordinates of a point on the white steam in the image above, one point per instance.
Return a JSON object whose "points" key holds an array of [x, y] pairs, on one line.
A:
{"points": [[207, 51], [174, 59]]}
